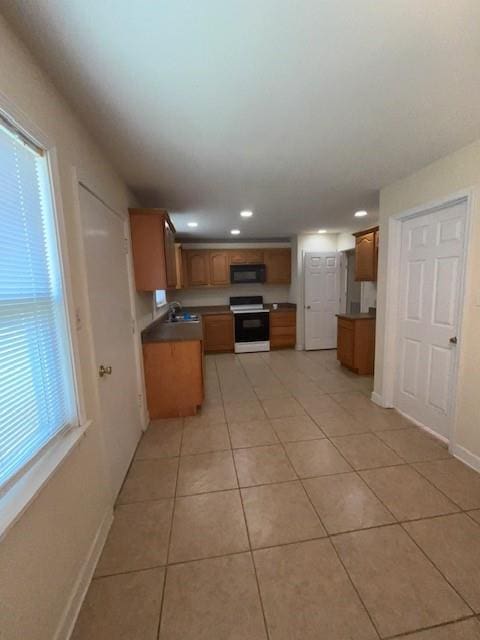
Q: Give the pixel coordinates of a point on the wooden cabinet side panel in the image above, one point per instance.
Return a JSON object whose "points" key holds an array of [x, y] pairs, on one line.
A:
{"points": [[148, 250], [173, 378], [364, 355], [170, 258], [346, 344]]}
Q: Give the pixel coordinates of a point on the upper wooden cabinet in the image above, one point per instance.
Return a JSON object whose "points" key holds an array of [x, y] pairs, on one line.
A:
{"points": [[208, 267], [219, 268], [366, 255], [153, 248], [246, 256], [279, 266], [197, 268]]}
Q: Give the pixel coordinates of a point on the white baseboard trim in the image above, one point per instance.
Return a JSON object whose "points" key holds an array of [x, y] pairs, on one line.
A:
{"points": [[466, 456], [299, 347], [70, 614], [378, 399]]}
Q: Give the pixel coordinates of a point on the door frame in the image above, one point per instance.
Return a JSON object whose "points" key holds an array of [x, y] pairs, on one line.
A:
{"points": [[304, 301], [386, 397], [80, 179]]}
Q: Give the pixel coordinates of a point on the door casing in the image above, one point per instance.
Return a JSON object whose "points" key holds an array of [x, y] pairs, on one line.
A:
{"points": [[385, 395]]}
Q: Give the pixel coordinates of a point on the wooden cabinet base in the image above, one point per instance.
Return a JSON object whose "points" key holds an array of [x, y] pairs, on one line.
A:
{"points": [[283, 330], [356, 344], [173, 378]]}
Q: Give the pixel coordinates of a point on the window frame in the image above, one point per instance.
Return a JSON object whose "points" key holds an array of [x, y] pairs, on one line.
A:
{"points": [[23, 487]]}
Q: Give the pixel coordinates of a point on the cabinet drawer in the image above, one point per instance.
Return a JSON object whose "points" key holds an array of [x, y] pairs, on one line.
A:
{"points": [[283, 318], [282, 331]]}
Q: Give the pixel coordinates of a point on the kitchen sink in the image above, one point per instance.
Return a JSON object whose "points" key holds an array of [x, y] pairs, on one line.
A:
{"points": [[183, 320]]}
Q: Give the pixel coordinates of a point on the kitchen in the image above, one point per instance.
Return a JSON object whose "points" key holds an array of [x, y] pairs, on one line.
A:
{"points": [[230, 298]]}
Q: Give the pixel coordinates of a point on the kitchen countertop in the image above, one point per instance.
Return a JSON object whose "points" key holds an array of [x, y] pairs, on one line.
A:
{"points": [[160, 331], [357, 316]]}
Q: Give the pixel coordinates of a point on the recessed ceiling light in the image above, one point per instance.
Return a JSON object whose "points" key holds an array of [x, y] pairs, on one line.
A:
{"points": [[360, 214], [246, 214], [192, 224], [235, 232], [322, 231]]}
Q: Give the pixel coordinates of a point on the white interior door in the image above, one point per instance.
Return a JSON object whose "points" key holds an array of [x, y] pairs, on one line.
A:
{"points": [[322, 297], [111, 314], [432, 257]]}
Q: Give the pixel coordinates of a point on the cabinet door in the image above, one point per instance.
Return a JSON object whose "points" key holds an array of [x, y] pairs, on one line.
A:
{"points": [[218, 332], [365, 252], [147, 228], [170, 257], [197, 268], [219, 268], [346, 343], [278, 264], [246, 256], [179, 266]]}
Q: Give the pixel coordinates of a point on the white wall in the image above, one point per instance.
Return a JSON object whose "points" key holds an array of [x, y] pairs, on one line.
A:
{"points": [[221, 295], [458, 171], [44, 552]]}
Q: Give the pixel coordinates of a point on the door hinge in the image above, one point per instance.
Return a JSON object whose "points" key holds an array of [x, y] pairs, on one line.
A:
{"points": [[134, 326], [125, 245]]}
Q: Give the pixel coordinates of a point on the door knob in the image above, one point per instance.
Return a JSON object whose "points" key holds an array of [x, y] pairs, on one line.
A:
{"points": [[104, 371], [308, 307], [453, 340]]}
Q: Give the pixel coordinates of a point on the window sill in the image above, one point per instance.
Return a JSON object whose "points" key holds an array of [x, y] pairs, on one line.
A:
{"points": [[20, 495]]}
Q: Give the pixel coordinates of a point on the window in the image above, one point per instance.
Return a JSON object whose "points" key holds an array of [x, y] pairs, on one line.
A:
{"points": [[160, 298], [37, 399]]}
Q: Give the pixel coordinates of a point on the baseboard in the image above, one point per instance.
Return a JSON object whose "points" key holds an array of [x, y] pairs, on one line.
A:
{"points": [[70, 614], [299, 347], [378, 399], [466, 456]]}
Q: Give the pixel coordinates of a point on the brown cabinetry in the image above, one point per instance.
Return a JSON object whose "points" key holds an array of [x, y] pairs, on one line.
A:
{"points": [[173, 378], [366, 255], [218, 332], [278, 264], [219, 268], [283, 328], [246, 256], [211, 268], [197, 268], [153, 248], [356, 343]]}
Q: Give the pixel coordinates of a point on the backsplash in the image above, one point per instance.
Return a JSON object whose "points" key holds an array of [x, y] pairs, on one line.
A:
{"points": [[220, 296]]}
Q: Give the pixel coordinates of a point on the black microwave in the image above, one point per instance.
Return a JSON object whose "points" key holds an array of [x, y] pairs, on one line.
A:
{"points": [[247, 273]]}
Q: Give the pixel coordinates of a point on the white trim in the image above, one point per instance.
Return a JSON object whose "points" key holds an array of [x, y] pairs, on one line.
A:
{"points": [[85, 575], [424, 427], [378, 399], [23, 492], [466, 456], [394, 226]]}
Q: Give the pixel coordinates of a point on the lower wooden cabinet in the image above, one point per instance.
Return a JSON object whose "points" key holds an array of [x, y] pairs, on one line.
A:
{"points": [[283, 329], [173, 378], [218, 334], [356, 343]]}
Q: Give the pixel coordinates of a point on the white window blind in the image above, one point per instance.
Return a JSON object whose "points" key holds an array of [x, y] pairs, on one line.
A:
{"points": [[37, 400]]}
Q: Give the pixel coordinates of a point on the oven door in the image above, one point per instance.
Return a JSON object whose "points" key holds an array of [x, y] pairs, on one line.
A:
{"points": [[247, 273], [252, 327]]}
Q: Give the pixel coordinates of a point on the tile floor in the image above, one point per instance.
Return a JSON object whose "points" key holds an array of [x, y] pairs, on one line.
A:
{"points": [[290, 508]]}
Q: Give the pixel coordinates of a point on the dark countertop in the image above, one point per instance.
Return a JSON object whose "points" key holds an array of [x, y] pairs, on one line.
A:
{"points": [[357, 316], [160, 331]]}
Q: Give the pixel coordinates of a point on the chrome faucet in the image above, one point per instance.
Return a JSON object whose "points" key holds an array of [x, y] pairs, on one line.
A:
{"points": [[171, 309]]}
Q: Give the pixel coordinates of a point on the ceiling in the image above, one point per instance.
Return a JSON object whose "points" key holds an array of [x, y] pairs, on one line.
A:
{"points": [[300, 110]]}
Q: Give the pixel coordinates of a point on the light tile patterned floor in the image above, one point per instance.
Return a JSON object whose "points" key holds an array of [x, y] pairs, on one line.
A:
{"points": [[291, 508]]}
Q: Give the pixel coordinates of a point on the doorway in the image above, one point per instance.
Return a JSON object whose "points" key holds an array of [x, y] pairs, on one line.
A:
{"points": [[104, 238], [322, 286], [430, 294]]}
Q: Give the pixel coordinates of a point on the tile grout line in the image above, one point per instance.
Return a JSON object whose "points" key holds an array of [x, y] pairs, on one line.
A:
{"points": [[267, 634], [327, 537], [160, 615]]}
